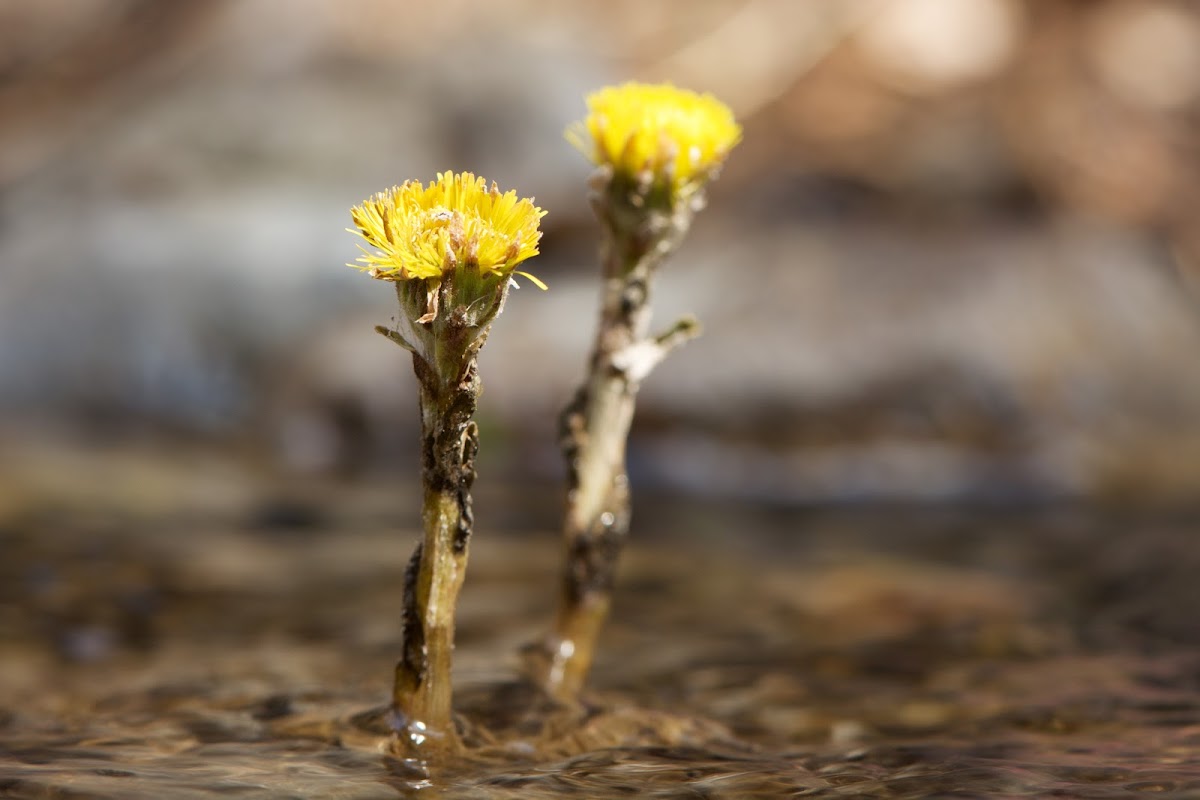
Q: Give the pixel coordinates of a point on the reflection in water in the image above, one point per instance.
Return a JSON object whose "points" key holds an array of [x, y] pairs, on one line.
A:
{"points": [[912, 653]]}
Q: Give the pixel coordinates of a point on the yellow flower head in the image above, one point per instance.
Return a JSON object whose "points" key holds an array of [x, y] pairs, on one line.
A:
{"points": [[456, 221], [679, 136]]}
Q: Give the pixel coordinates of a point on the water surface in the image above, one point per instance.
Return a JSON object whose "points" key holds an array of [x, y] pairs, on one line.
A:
{"points": [[905, 652]]}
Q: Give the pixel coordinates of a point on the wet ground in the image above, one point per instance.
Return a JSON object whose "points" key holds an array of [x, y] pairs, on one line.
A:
{"points": [[175, 628]]}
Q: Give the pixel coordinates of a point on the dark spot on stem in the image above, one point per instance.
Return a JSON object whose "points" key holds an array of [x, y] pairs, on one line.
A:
{"points": [[592, 555], [412, 666], [633, 296], [466, 478], [571, 435]]}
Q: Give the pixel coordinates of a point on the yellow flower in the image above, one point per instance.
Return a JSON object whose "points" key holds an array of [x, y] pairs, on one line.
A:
{"points": [[679, 136], [421, 232]]}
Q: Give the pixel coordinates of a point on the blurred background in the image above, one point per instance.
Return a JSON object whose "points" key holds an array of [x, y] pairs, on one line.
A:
{"points": [[931, 471], [954, 258]]}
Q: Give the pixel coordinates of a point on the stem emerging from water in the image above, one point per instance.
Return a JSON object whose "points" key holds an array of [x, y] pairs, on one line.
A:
{"points": [[446, 364], [595, 426]]}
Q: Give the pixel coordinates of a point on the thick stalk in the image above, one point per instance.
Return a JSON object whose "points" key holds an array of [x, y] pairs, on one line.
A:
{"points": [[421, 698], [594, 429]]}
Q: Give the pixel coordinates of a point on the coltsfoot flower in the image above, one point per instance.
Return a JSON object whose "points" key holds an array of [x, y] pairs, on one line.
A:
{"points": [[677, 137], [449, 250], [456, 222]]}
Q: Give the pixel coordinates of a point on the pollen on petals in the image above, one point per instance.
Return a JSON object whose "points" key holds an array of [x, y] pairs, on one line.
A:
{"points": [[418, 232]]}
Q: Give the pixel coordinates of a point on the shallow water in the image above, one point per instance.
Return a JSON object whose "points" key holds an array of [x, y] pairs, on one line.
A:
{"points": [[915, 652]]}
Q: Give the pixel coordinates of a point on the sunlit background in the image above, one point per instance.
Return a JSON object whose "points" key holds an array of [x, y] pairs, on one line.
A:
{"points": [[918, 509], [953, 258]]}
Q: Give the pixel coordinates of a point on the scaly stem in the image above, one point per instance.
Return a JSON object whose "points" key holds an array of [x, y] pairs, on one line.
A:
{"points": [[594, 429], [421, 698]]}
